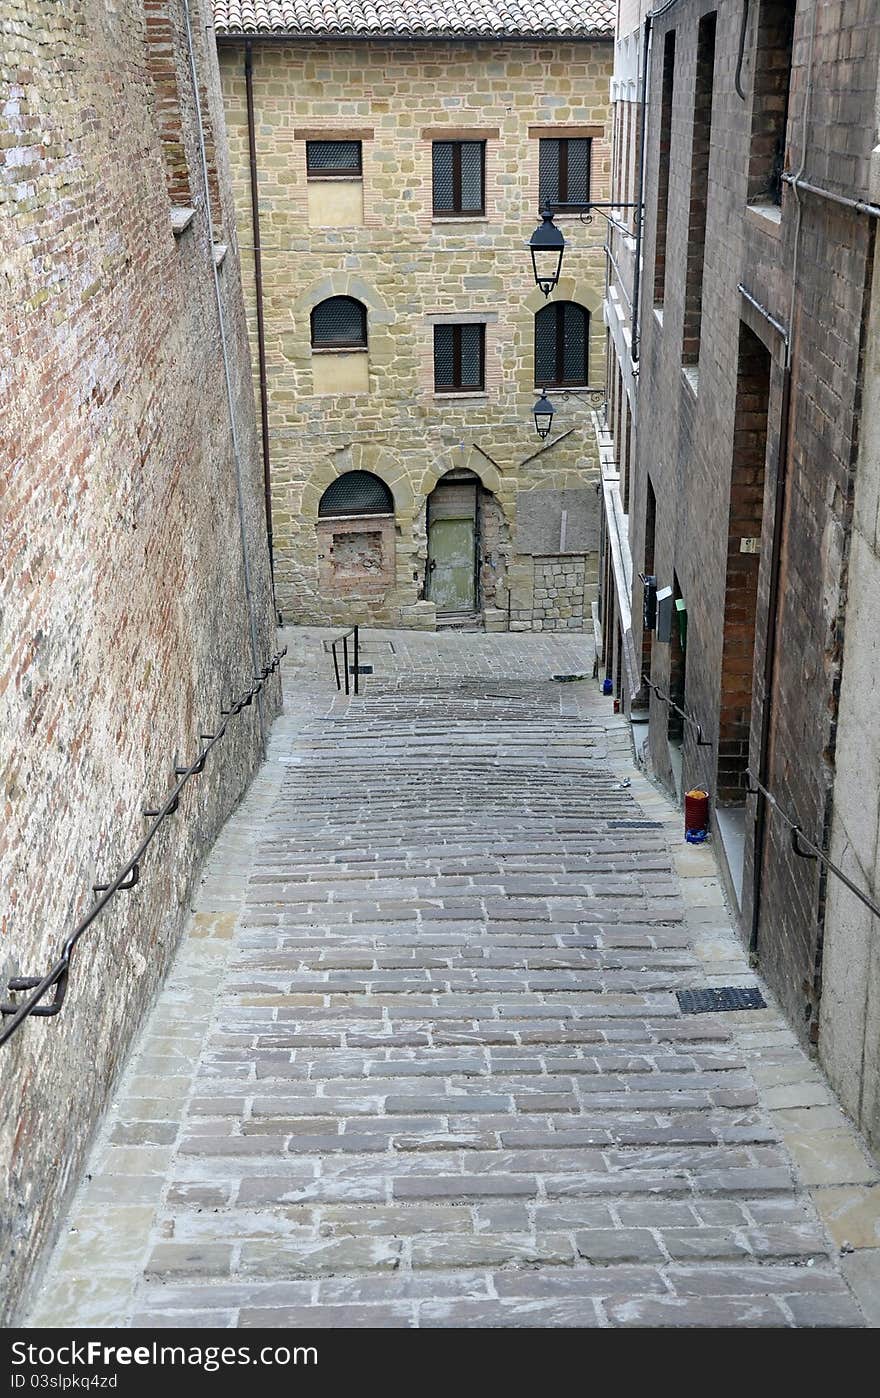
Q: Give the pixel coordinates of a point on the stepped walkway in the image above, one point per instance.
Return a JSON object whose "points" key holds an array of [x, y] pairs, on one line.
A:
{"points": [[421, 1062]]}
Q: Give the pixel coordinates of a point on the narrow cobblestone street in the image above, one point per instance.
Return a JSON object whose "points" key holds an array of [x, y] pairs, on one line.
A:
{"points": [[420, 1059]]}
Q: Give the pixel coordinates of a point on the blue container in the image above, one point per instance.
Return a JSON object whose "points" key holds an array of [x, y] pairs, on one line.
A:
{"points": [[607, 686]]}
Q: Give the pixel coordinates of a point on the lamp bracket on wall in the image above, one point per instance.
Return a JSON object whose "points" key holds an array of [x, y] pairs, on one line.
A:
{"points": [[585, 211]]}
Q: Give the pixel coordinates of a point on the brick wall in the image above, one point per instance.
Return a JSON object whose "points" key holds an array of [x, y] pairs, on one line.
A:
{"points": [[693, 439], [412, 272], [124, 617]]}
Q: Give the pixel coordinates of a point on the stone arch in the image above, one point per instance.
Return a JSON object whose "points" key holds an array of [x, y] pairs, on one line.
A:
{"points": [[357, 456], [356, 493], [342, 284], [469, 459], [568, 289]]}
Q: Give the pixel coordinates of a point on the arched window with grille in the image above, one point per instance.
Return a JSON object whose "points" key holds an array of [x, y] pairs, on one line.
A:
{"points": [[340, 322], [356, 493], [562, 344]]}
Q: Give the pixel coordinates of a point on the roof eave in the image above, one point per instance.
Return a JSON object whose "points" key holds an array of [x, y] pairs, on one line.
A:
{"points": [[275, 36]]}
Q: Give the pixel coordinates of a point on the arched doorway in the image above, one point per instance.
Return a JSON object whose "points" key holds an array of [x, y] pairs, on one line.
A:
{"points": [[465, 563]]}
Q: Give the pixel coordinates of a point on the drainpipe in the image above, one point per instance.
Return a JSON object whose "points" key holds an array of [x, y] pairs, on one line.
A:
{"points": [[640, 198], [261, 325], [779, 507]]}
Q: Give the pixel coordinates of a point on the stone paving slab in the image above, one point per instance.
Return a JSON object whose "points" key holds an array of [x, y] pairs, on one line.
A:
{"points": [[419, 1061]]}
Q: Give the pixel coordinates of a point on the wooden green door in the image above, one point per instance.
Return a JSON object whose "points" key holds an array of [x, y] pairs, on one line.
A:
{"points": [[451, 564]]}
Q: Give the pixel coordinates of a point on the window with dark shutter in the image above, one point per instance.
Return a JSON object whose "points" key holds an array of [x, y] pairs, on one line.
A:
{"points": [[564, 170], [339, 323], [459, 355], [356, 493], [340, 159], [459, 177], [562, 340]]}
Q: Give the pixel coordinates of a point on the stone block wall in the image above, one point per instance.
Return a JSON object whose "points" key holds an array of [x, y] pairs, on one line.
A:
{"points": [[560, 591], [413, 272], [125, 623]]}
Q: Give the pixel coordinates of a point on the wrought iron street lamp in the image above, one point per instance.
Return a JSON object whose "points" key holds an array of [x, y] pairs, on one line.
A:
{"points": [[547, 246], [543, 411]]}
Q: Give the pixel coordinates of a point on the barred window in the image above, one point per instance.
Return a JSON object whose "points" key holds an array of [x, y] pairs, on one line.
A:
{"points": [[339, 323], [564, 170], [459, 355], [356, 493], [562, 339], [459, 168], [340, 158]]}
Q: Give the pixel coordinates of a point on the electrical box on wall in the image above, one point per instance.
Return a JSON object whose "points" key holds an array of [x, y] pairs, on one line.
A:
{"points": [[649, 601], [664, 614]]}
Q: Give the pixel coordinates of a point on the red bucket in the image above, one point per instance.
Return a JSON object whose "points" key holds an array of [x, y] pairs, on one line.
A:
{"points": [[696, 814]]}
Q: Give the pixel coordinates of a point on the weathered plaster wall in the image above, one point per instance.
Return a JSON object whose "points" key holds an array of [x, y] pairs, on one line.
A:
{"points": [[410, 270], [124, 621]]}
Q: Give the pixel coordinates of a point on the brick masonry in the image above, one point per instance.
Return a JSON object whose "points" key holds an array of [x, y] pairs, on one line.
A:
{"points": [[412, 272], [125, 623], [689, 421]]}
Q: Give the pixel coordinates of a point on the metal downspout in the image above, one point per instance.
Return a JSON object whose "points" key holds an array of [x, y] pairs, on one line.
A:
{"points": [[781, 498], [261, 325], [230, 395]]}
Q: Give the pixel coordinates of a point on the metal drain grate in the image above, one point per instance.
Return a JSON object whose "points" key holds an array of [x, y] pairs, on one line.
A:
{"points": [[720, 998]]}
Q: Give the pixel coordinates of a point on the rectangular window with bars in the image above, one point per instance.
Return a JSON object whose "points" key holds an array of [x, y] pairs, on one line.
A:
{"points": [[459, 178], [459, 358], [334, 159], [564, 170]]}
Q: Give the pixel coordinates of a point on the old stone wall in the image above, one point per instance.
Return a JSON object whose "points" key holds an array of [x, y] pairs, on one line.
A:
{"points": [[689, 425], [849, 1039], [125, 619], [377, 410]]}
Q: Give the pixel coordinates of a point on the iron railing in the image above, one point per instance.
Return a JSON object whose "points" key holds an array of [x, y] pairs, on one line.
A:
{"points": [[354, 670], [688, 718], [801, 844], [804, 847], [127, 877]]}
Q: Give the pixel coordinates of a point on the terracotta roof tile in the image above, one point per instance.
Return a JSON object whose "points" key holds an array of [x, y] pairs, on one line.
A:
{"points": [[417, 19]]}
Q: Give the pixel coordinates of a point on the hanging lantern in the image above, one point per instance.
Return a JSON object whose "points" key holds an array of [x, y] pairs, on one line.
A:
{"points": [[543, 411], [547, 246]]}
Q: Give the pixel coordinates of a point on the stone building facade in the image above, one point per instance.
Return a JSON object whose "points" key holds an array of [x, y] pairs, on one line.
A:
{"points": [[136, 597], [760, 181], [479, 518]]}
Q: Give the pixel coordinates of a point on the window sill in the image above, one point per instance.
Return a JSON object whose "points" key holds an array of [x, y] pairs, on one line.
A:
{"points": [[460, 393], [339, 349], [459, 218], [765, 215], [658, 315], [181, 219], [220, 250], [335, 179]]}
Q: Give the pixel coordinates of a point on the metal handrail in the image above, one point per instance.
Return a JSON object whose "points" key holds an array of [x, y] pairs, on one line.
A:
{"points": [[688, 718], [812, 851], [127, 878], [348, 671]]}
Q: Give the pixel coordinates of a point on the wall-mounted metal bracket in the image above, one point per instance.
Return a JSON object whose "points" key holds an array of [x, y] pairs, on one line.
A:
{"points": [[130, 882]]}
